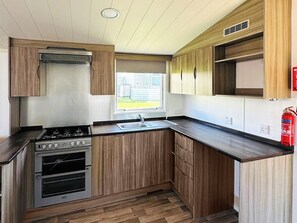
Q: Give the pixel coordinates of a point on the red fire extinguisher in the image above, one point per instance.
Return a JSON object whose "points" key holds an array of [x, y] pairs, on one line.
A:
{"points": [[288, 127]]}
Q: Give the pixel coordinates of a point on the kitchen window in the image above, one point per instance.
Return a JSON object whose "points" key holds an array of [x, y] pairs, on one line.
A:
{"points": [[140, 85]]}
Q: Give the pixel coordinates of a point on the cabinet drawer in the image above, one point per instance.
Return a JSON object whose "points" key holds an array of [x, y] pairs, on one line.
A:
{"points": [[179, 151], [184, 185], [184, 142], [184, 167], [188, 191], [184, 154], [188, 157], [178, 180]]}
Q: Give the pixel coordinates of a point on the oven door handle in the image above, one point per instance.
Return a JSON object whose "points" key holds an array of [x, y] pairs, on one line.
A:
{"points": [[51, 153], [66, 174]]}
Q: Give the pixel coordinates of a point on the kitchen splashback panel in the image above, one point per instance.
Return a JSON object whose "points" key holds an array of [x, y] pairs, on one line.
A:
{"points": [[68, 100]]}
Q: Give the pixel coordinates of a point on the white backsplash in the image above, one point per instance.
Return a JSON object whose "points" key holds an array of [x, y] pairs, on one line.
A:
{"points": [[4, 92], [68, 101]]}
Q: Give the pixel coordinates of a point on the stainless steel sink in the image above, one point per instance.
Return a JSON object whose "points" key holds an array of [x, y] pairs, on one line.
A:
{"points": [[134, 125]]}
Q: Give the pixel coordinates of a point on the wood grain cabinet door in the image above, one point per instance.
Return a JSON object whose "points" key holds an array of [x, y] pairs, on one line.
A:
{"points": [[103, 73], [175, 76], [153, 158], [204, 76], [188, 73], [24, 71], [14, 183], [118, 163]]}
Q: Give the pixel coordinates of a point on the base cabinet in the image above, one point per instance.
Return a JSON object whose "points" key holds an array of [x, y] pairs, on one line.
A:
{"points": [[132, 161], [204, 178], [152, 154], [13, 191], [266, 190], [184, 162]]}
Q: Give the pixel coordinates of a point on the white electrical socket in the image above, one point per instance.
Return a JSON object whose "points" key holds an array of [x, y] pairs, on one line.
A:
{"points": [[265, 129], [228, 120]]}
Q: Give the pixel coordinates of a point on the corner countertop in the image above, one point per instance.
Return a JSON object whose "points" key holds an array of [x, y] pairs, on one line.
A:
{"points": [[238, 146], [12, 145], [233, 145]]}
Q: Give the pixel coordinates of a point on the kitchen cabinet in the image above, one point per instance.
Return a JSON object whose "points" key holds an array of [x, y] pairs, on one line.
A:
{"points": [[118, 158], [193, 73], [14, 189], [97, 166], [261, 40], [184, 162], [25, 75], [188, 71], [266, 190], [227, 56], [153, 154], [28, 73], [131, 161], [204, 178], [175, 76], [277, 48], [204, 72], [103, 73]]}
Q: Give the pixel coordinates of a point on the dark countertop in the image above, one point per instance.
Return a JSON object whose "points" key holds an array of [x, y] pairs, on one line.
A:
{"points": [[236, 146], [114, 129], [12, 145]]}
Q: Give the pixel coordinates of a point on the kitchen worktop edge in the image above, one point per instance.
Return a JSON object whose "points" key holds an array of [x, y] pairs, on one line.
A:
{"points": [[12, 145]]}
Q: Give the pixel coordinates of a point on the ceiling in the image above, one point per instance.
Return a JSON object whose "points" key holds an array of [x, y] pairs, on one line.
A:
{"points": [[144, 26]]}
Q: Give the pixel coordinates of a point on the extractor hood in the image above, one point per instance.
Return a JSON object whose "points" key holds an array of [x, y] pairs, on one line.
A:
{"points": [[65, 55]]}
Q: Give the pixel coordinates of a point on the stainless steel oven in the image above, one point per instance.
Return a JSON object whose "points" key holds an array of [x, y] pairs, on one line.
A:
{"points": [[62, 170]]}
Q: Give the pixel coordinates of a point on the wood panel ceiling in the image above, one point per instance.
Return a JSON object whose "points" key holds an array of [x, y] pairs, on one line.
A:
{"points": [[144, 26]]}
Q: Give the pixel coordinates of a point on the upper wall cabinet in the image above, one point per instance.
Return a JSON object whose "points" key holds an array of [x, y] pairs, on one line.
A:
{"points": [[103, 73], [192, 73], [252, 48], [25, 72], [203, 81], [175, 76], [28, 74], [277, 48]]}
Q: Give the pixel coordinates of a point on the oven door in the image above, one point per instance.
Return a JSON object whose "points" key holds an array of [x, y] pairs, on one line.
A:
{"points": [[66, 161], [58, 188]]}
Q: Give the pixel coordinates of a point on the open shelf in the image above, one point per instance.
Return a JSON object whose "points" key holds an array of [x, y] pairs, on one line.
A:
{"points": [[246, 57], [227, 76]]}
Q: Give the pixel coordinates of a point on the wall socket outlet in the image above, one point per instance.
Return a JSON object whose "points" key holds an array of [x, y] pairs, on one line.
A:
{"points": [[265, 129], [228, 120]]}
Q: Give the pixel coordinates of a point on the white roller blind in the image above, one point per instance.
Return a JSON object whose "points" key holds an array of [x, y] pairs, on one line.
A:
{"points": [[140, 66]]}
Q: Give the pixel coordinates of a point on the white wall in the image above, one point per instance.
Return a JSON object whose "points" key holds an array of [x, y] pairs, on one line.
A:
{"points": [[4, 103], [248, 113]]}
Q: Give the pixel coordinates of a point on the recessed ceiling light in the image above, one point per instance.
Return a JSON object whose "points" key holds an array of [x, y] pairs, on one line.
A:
{"points": [[110, 13]]}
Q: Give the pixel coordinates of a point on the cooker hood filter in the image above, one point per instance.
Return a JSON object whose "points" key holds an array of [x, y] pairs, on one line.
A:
{"points": [[65, 56]]}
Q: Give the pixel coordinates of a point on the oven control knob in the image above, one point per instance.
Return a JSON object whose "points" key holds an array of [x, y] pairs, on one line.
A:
{"points": [[72, 143], [43, 147], [83, 142], [56, 145], [50, 146], [78, 143]]}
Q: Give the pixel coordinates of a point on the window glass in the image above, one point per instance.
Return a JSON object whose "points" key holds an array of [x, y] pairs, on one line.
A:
{"points": [[136, 91]]}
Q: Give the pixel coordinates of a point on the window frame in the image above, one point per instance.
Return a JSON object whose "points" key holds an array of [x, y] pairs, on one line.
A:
{"points": [[141, 110]]}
